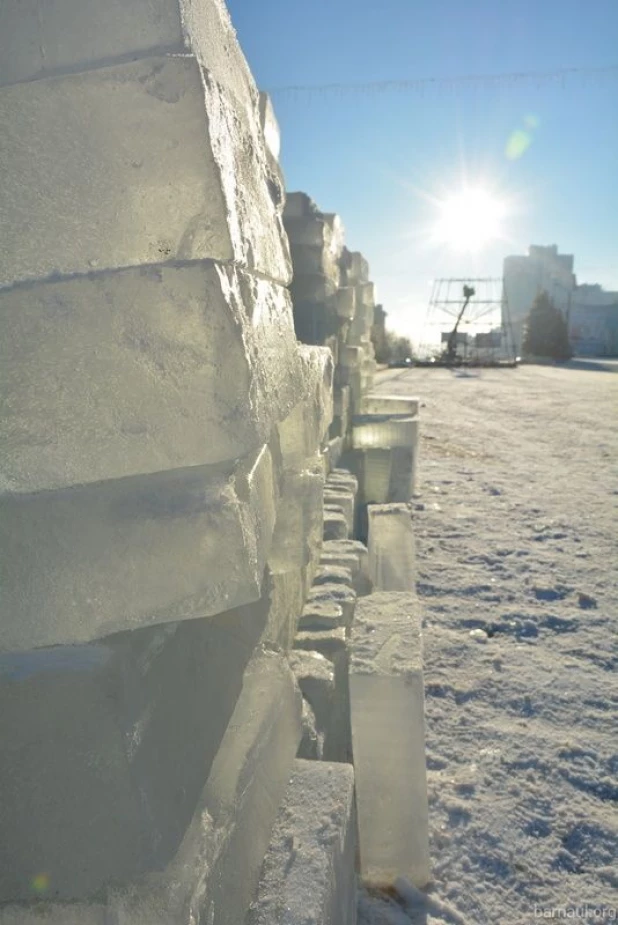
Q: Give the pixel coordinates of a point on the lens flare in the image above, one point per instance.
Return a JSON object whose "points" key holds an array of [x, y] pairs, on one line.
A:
{"points": [[518, 143], [520, 139], [40, 883]]}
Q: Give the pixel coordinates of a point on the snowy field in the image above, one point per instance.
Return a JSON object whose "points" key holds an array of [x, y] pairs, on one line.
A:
{"points": [[517, 546]]}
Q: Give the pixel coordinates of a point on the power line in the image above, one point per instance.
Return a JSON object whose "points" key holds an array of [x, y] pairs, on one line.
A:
{"points": [[420, 84]]}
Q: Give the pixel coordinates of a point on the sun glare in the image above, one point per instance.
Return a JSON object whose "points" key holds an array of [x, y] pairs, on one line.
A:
{"points": [[469, 220]]}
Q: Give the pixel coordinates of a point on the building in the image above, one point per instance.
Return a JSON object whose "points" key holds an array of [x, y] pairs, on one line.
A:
{"points": [[593, 328], [544, 269], [591, 312]]}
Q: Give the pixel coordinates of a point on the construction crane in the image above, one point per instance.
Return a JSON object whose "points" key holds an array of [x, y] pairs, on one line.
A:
{"points": [[450, 354], [485, 312]]}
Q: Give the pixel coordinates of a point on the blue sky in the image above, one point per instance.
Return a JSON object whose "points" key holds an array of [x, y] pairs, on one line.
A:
{"points": [[383, 159]]}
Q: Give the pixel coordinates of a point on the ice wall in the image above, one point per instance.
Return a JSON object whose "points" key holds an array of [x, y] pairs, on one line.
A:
{"points": [[178, 561], [161, 466]]}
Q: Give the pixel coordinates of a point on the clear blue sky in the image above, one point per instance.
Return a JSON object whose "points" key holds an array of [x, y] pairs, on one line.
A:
{"points": [[375, 157]]}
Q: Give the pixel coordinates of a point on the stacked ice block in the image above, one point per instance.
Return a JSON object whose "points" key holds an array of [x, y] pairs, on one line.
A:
{"points": [[160, 470], [316, 244], [383, 452], [333, 303], [307, 874]]}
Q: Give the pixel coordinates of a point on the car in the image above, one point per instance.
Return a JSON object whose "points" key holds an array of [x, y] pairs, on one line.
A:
{"points": [[400, 364]]}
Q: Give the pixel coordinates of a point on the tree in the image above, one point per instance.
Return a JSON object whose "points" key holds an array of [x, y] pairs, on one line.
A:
{"points": [[393, 348], [546, 332]]}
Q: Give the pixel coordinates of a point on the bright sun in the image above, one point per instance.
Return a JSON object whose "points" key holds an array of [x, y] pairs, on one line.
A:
{"points": [[469, 220]]}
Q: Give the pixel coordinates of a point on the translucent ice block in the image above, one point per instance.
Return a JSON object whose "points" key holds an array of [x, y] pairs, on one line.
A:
{"points": [[282, 600], [333, 574], [388, 739], [335, 592], [354, 268], [341, 401], [345, 498], [270, 126], [142, 370], [333, 645], [383, 431], [39, 38], [388, 474], [376, 403], [133, 164], [341, 412], [91, 913], [311, 231], [313, 288], [332, 452], [365, 295], [336, 526], [351, 376], [302, 432], [299, 205], [214, 874], [321, 615], [384, 475], [343, 477], [314, 259], [309, 866], [106, 748], [316, 323], [392, 558], [350, 554], [345, 301], [351, 356], [80, 563], [300, 514], [360, 328], [315, 675]]}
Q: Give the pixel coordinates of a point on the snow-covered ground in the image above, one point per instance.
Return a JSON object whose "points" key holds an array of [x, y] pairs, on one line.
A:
{"points": [[517, 544]]}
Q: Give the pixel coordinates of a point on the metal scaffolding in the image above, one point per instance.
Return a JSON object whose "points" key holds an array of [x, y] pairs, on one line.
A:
{"points": [[468, 330]]}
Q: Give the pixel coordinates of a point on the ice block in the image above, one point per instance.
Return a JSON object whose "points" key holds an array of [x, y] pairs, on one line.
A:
{"points": [[106, 748], [309, 867], [388, 738], [376, 403], [392, 559], [134, 163], [383, 431], [143, 370], [81, 563]]}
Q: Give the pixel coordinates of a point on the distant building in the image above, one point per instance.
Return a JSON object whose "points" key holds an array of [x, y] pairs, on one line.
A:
{"points": [[593, 329], [544, 269], [591, 312]]}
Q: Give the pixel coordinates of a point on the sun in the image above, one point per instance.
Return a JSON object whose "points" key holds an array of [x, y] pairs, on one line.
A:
{"points": [[470, 219]]}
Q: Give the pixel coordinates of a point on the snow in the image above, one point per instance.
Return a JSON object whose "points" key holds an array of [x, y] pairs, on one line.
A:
{"points": [[516, 546]]}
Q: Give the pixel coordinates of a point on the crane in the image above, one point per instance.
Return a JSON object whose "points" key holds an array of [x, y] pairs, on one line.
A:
{"points": [[450, 354]]}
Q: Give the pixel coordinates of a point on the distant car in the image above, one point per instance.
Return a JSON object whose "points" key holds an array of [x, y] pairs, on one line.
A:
{"points": [[400, 364]]}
